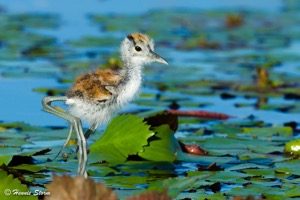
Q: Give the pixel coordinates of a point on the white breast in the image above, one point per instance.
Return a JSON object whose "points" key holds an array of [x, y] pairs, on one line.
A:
{"points": [[90, 112], [129, 90]]}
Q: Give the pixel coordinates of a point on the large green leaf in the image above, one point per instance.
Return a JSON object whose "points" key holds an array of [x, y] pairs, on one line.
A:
{"points": [[11, 188], [125, 135], [162, 147]]}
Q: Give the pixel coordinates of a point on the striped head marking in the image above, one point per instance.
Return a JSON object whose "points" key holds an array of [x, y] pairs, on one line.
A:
{"points": [[139, 48], [136, 38]]}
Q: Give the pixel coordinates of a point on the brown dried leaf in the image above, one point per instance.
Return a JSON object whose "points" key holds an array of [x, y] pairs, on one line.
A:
{"points": [[152, 195], [193, 149], [233, 21], [67, 188], [212, 167]]}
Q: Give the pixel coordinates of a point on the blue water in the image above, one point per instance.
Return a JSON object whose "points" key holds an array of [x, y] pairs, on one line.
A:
{"points": [[20, 103], [74, 12]]}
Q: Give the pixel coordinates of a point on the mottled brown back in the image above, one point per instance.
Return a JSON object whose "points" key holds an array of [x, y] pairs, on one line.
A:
{"points": [[91, 86]]}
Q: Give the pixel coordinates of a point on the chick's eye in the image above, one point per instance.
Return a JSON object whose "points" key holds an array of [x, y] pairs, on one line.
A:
{"points": [[137, 48]]}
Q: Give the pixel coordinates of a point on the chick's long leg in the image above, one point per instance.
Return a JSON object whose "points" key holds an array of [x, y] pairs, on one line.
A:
{"points": [[82, 153], [66, 142], [76, 124], [88, 133]]}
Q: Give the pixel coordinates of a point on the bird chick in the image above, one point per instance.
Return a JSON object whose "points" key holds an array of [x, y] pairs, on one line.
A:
{"points": [[96, 96]]}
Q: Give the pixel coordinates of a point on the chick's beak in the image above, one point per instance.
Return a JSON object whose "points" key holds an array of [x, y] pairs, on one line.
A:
{"points": [[156, 58]]}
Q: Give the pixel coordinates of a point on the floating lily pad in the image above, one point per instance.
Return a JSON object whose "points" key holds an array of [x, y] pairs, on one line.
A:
{"points": [[285, 131], [118, 139], [162, 147]]}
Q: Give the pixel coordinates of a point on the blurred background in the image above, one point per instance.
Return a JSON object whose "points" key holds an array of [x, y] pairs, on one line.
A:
{"points": [[240, 58], [237, 58]]}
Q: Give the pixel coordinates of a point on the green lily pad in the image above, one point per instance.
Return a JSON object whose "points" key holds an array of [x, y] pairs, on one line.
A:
{"points": [[292, 192], [175, 185], [125, 135], [288, 167], [267, 149], [160, 169], [200, 195], [229, 177], [245, 166], [163, 146], [266, 173], [254, 190], [29, 168], [285, 131]]}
